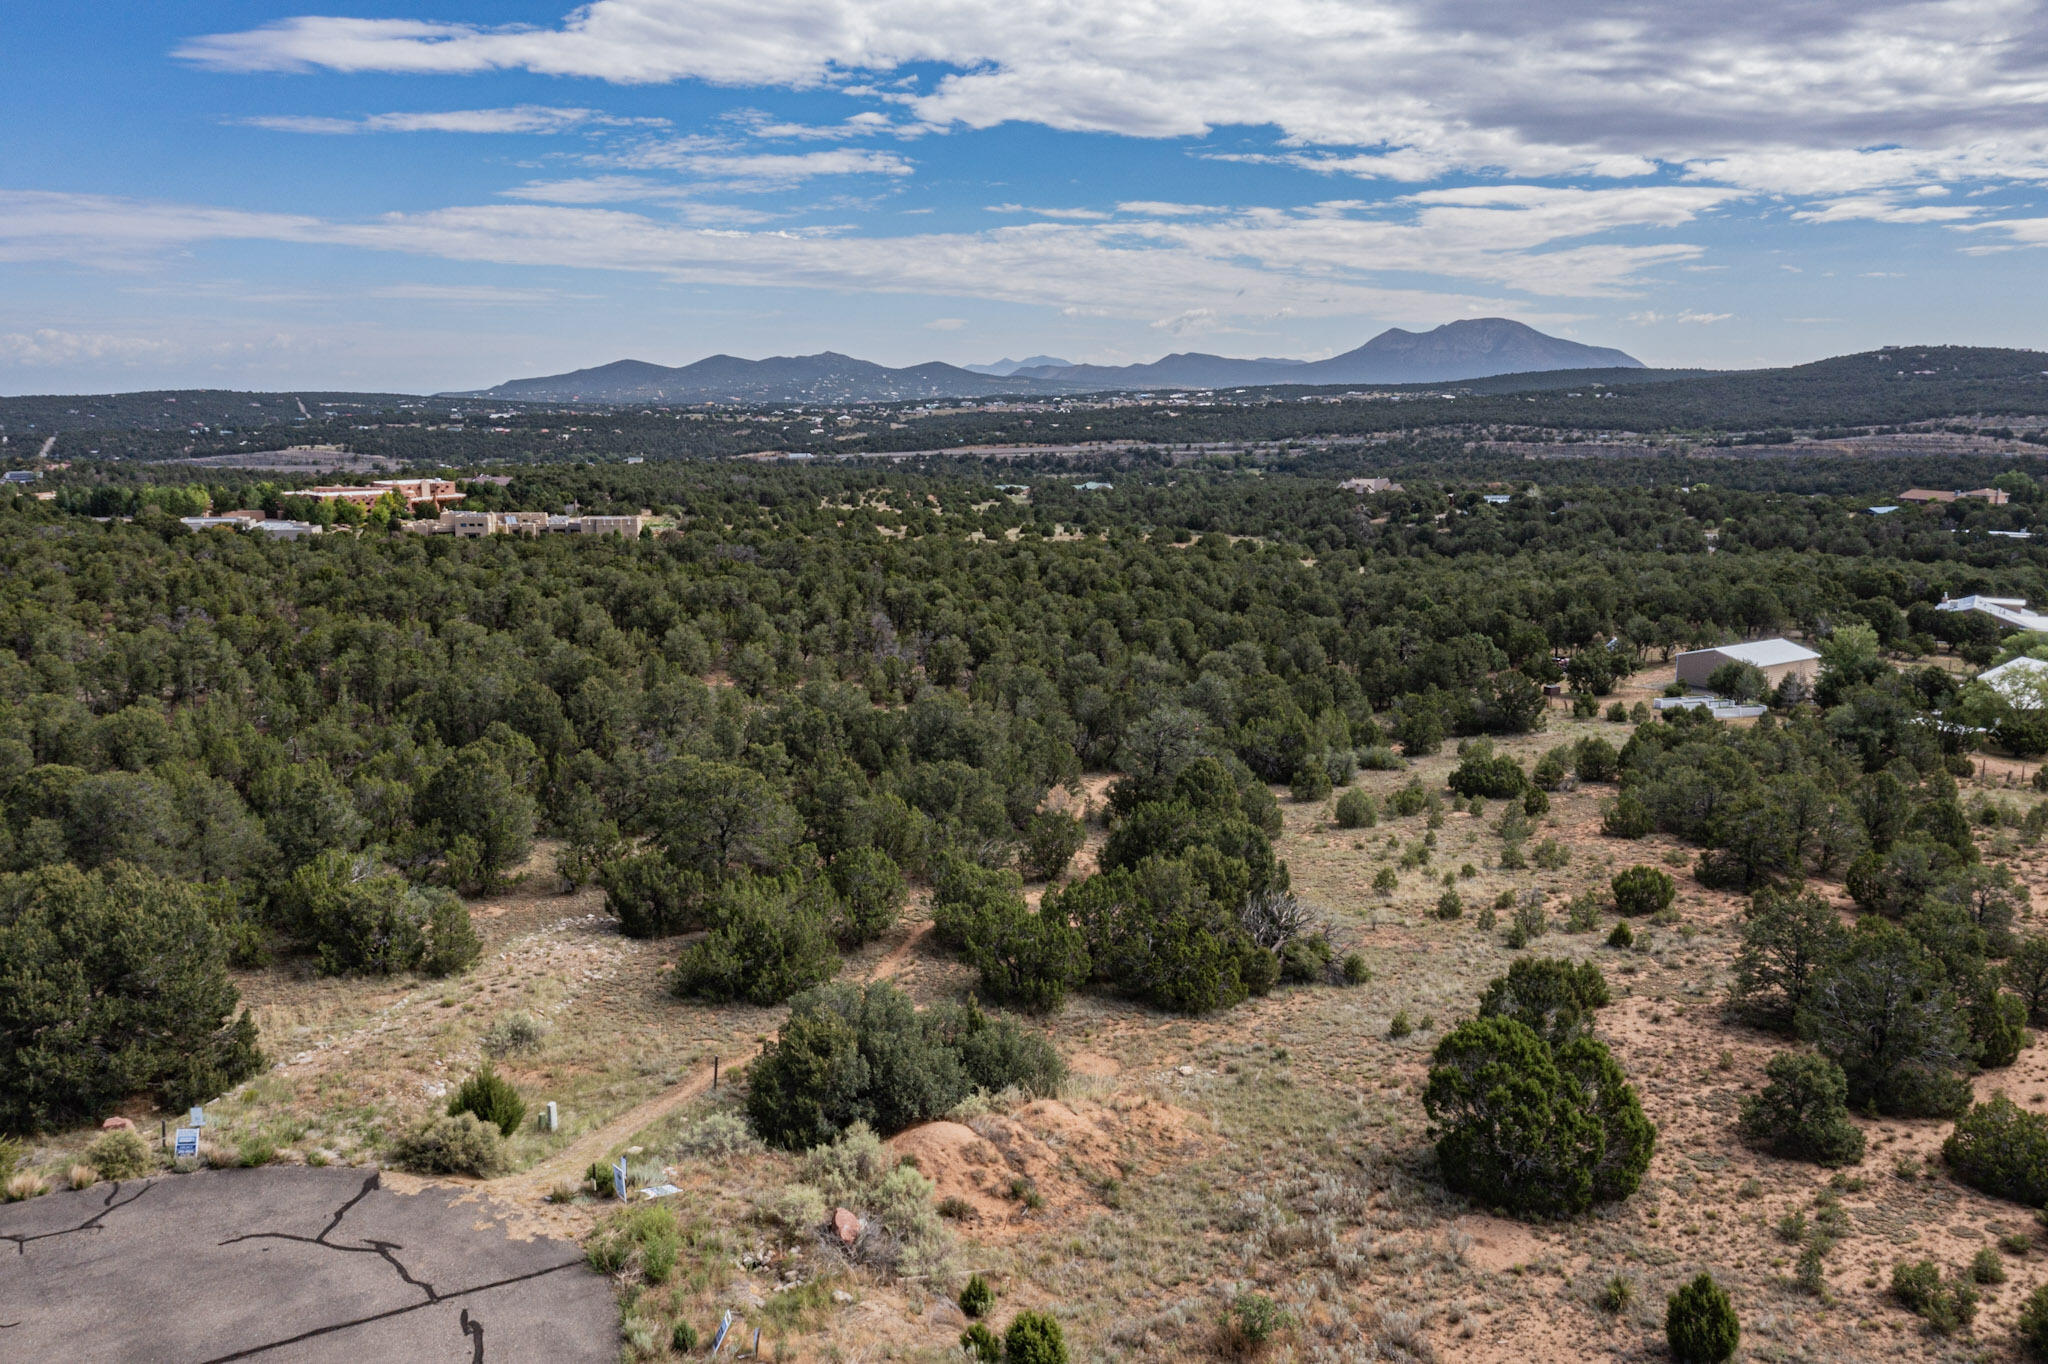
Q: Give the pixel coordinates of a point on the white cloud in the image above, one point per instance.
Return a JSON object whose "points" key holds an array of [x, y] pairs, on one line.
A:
{"points": [[1653, 318], [50, 346], [1076, 215], [945, 324], [1153, 208], [1793, 99], [470, 293], [717, 165], [1884, 208], [1324, 260], [523, 118]]}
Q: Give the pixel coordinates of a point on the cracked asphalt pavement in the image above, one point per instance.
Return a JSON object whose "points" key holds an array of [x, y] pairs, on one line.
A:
{"points": [[288, 1264]]}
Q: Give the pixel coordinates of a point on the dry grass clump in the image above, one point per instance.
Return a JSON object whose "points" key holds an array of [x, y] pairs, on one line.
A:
{"points": [[25, 1184]]}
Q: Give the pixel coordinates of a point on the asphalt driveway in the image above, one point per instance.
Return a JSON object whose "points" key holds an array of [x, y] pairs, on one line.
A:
{"points": [[323, 1266]]}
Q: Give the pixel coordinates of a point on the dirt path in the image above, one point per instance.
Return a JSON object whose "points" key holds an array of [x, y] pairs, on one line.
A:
{"points": [[567, 1165]]}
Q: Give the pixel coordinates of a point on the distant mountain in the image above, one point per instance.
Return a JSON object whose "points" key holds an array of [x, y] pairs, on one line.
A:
{"points": [[1005, 367], [1471, 349], [825, 378]]}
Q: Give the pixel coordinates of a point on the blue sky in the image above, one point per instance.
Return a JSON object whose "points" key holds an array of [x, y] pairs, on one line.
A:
{"points": [[444, 194]]}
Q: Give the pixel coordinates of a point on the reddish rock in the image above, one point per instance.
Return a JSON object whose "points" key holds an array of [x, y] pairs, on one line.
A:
{"points": [[847, 1226], [118, 1125]]}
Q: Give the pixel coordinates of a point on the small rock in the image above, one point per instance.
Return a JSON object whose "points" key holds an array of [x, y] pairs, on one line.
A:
{"points": [[1187, 1070], [943, 1313], [118, 1125], [846, 1226], [841, 1295]]}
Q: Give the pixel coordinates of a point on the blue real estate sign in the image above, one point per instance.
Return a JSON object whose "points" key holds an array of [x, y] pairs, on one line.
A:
{"points": [[185, 1145]]}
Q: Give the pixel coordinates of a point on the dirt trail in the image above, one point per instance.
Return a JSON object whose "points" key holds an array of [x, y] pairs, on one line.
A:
{"points": [[567, 1165]]}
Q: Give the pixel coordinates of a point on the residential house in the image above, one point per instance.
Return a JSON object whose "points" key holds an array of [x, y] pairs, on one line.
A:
{"points": [[2010, 612]]}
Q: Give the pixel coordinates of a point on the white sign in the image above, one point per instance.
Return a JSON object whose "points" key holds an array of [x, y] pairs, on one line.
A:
{"points": [[197, 1117], [185, 1145], [619, 1179]]}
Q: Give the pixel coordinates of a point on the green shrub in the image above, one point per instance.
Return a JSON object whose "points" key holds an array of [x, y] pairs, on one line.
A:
{"points": [[1449, 905], [1986, 1267], [683, 1339], [1551, 855], [1487, 773], [1027, 960], [870, 889], [1642, 890], [492, 1098], [1169, 930], [461, 1144], [982, 1343], [1380, 758], [1356, 810], [1619, 1291], [2000, 1149], [116, 985], [1622, 936], [1803, 1113], [1700, 1323], [1411, 799], [1948, 1305], [1311, 782], [1034, 1338], [121, 1154], [358, 917], [1398, 1026], [1251, 1322], [1385, 880], [1553, 997], [1883, 1011], [977, 1297], [1539, 1131], [1627, 817], [1304, 961], [650, 896], [771, 938], [1050, 841], [1356, 972], [1529, 923], [851, 1054], [643, 1237], [2033, 1323], [1595, 759]]}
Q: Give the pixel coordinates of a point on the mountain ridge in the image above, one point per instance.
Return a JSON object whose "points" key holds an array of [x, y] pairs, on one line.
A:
{"points": [[1470, 348]]}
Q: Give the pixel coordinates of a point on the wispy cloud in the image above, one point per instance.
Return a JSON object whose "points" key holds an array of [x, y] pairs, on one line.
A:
{"points": [[1074, 215], [1321, 260], [523, 118]]}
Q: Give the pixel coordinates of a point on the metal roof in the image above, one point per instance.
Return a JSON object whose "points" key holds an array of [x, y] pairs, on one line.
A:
{"points": [[1764, 653]]}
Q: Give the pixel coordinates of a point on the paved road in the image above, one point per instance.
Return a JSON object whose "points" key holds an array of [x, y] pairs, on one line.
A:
{"points": [[288, 1264]]}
